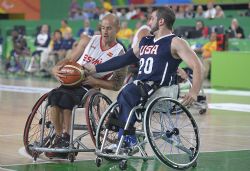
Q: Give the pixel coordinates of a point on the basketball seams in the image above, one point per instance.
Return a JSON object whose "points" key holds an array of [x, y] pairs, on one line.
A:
{"points": [[81, 75]]}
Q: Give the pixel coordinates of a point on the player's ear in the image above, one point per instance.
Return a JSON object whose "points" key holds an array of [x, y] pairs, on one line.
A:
{"points": [[161, 22]]}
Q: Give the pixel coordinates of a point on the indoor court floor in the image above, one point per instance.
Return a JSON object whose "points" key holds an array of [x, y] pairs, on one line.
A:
{"points": [[224, 131]]}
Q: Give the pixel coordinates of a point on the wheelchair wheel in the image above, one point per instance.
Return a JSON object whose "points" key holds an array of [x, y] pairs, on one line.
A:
{"points": [[33, 127], [112, 137], [95, 106], [173, 138]]}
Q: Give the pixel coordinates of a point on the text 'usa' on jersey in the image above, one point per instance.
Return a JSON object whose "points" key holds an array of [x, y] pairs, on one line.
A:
{"points": [[156, 61]]}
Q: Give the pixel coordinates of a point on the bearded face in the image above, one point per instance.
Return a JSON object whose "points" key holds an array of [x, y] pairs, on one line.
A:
{"points": [[153, 23]]}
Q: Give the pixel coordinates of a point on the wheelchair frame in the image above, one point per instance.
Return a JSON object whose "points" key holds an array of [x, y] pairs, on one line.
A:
{"points": [[42, 143], [171, 136]]}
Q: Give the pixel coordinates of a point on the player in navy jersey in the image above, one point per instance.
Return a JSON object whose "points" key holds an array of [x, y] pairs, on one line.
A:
{"points": [[159, 57]]}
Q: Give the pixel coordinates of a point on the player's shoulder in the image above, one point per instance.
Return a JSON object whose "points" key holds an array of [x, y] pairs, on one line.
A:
{"points": [[179, 43], [178, 40]]}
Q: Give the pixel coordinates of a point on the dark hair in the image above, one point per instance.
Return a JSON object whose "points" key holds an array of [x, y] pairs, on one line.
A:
{"points": [[58, 31], [201, 21], [168, 15]]}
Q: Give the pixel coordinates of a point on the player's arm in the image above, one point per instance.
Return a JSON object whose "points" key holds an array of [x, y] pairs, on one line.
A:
{"points": [[115, 63], [78, 51], [181, 49], [115, 83], [130, 57]]}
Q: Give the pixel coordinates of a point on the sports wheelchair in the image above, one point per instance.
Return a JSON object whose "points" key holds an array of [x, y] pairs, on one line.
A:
{"points": [[164, 124], [39, 131]]}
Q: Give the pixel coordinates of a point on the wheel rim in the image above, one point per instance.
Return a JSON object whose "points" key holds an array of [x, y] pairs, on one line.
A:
{"points": [[112, 135], [33, 127], [94, 108], [173, 137]]}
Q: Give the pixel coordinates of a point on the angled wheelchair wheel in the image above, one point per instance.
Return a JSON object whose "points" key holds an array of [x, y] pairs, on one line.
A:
{"points": [[107, 132], [173, 138], [95, 106], [112, 136], [33, 127]]}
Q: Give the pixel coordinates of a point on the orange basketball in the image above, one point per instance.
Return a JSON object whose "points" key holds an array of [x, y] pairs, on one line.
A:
{"points": [[74, 74]]}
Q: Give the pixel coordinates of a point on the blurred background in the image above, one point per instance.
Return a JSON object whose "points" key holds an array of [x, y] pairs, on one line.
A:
{"points": [[35, 34], [215, 29]]}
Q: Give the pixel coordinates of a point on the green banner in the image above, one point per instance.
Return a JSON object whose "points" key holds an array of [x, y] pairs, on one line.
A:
{"points": [[230, 70]]}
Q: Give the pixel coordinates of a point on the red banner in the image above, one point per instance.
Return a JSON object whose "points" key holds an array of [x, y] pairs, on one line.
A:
{"points": [[30, 8]]}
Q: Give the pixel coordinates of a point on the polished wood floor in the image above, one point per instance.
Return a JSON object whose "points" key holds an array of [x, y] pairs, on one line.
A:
{"points": [[220, 130]]}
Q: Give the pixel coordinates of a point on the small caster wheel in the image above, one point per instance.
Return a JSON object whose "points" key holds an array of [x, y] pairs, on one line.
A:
{"points": [[123, 165], [202, 111], [35, 156], [71, 157], [98, 161]]}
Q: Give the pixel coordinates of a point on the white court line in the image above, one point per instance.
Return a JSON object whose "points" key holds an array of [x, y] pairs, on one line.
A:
{"points": [[10, 135], [225, 135], [223, 151], [24, 89], [225, 92], [230, 107], [233, 126]]}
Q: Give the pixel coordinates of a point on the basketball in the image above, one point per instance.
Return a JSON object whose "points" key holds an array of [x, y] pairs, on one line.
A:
{"points": [[74, 74]]}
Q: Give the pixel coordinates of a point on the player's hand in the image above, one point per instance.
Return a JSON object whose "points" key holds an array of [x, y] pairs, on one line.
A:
{"points": [[58, 74], [189, 98], [89, 69], [91, 81], [181, 72]]}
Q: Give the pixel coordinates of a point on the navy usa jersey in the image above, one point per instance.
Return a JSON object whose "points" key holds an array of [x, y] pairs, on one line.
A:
{"points": [[156, 61]]}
